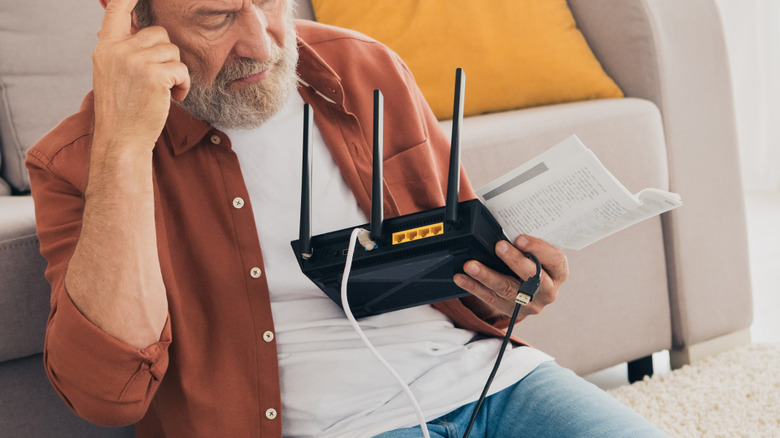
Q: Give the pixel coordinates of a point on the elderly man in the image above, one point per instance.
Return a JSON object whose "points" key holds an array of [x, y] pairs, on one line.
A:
{"points": [[177, 303]]}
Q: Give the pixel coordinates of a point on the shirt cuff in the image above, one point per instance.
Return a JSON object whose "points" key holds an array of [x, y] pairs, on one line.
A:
{"points": [[103, 379]]}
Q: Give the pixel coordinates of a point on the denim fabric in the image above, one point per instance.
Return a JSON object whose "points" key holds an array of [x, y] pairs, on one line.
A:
{"points": [[550, 402]]}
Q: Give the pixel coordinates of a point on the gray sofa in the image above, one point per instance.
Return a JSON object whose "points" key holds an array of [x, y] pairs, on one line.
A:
{"points": [[680, 282]]}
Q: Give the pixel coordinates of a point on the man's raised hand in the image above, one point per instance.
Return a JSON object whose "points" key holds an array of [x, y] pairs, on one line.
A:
{"points": [[135, 74]]}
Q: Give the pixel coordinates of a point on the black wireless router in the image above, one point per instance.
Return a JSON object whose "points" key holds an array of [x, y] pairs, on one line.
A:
{"points": [[414, 256]]}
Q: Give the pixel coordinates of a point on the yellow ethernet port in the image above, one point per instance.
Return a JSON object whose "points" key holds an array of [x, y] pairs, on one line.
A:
{"points": [[418, 233]]}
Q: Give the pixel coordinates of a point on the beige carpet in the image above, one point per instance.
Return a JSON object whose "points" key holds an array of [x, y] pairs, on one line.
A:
{"points": [[733, 394]]}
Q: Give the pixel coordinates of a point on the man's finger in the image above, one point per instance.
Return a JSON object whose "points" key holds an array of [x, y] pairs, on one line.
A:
{"points": [[118, 19], [162, 53], [521, 265], [502, 285], [151, 36], [181, 83], [485, 294], [552, 259]]}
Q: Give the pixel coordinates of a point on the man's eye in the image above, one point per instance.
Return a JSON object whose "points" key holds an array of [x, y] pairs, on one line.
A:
{"points": [[213, 22]]}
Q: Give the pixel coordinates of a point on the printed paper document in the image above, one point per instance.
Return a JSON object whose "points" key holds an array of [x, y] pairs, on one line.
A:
{"points": [[566, 197]]}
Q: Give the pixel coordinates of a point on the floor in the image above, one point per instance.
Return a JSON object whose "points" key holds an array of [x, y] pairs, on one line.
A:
{"points": [[763, 221]]}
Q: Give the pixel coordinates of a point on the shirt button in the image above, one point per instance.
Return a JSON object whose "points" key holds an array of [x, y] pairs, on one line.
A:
{"points": [[255, 272], [268, 336], [215, 139], [238, 202], [270, 414]]}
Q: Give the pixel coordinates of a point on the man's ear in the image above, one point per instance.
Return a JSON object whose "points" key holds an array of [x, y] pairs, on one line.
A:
{"points": [[134, 27]]}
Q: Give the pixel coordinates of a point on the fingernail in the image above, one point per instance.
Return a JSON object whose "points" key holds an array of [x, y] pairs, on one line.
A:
{"points": [[472, 268], [460, 281], [521, 241], [502, 247]]}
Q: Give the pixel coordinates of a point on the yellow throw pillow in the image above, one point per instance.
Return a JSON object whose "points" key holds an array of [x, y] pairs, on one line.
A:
{"points": [[515, 53]]}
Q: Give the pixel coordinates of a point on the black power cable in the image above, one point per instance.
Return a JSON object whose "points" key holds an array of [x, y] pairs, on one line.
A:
{"points": [[525, 294]]}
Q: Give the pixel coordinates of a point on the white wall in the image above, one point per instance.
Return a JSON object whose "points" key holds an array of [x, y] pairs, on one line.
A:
{"points": [[752, 30]]}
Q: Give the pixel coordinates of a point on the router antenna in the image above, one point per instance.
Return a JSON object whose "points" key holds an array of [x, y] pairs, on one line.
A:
{"points": [[377, 204], [453, 179], [305, 237]]}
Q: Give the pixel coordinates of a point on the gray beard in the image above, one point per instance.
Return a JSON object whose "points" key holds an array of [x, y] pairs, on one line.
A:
{"points": [[252, 105]]}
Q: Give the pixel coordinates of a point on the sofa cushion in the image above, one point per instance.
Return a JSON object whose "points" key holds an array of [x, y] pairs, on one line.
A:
{"points": [[515, 53], [45, 71], [24, 291]]}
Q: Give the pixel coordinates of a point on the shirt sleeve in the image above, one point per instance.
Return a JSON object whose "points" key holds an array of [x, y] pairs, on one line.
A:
{"points": [[102, 379]]}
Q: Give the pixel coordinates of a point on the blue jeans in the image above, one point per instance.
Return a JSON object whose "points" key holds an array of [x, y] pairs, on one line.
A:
{"points": [[551, 401]]}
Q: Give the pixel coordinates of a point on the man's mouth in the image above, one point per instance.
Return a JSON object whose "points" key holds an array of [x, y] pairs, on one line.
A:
{"points": [[252, 79]]}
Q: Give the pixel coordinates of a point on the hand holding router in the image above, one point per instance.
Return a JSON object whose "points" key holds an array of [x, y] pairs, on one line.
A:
{"points": [[409, 260]]}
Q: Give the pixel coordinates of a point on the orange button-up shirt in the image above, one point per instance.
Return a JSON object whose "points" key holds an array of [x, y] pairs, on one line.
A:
{"points": [[214, 371]]}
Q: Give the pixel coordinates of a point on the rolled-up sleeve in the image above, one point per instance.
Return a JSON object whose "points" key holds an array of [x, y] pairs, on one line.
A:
{"points": [[102, 379]]}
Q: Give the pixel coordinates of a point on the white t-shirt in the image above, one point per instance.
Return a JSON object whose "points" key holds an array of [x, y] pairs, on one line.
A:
{"points": [[331, 384]]}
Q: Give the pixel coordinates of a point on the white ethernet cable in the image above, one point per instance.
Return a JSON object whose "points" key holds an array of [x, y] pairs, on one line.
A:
{"points": [[356, 326]]}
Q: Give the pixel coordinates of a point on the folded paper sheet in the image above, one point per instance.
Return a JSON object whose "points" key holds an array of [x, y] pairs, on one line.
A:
{"points": [[566, 197]]}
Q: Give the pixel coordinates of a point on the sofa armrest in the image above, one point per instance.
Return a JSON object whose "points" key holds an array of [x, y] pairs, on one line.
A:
{"points": [[5, 189], [24, 291], [673, 54]]}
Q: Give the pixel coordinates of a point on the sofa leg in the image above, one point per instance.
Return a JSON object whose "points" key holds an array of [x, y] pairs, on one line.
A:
{"points": [[693, 353], [638, 369]]}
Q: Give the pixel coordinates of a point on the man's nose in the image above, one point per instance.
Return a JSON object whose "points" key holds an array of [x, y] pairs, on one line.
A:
{"points": [[253, 40]]}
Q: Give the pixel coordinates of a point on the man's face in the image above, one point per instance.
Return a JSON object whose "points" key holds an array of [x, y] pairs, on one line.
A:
{"points": [[241, 55]]}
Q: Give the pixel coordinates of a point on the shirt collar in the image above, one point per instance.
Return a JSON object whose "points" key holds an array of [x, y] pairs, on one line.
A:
{"points": [[186, 131]]}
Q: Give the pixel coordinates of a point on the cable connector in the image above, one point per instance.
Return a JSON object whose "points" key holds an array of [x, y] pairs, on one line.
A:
{"points": [[527, 291], [365, 240]]}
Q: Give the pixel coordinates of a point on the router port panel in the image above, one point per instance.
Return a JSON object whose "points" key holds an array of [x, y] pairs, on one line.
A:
{"points": [[418, 233]]}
